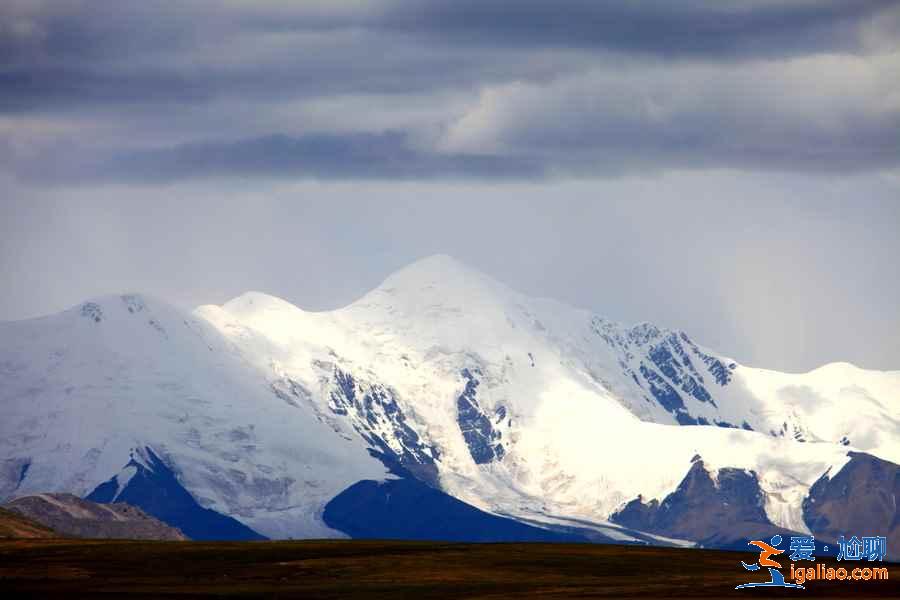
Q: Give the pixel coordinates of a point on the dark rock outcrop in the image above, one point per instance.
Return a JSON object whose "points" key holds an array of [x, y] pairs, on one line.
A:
{"points": [[671, 367], [482, 438], [717, 514], [69, 515], [862, 499], [378, 418]]}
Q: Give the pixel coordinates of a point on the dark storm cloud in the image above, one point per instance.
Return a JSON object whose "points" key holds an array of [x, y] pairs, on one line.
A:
{"points": [[147, 91], [391, 156], [353, 156], [69, 89], [711, 29], [65, 65]]}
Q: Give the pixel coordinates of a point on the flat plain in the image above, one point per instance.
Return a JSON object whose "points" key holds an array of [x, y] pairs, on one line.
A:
{"points": [[60, 568]]}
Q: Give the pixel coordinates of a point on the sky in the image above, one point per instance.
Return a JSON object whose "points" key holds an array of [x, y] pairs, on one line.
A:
{"points": [[727, 168]]}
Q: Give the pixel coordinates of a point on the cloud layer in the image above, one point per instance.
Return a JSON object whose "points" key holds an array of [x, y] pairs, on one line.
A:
{"points": [[155, 92]]}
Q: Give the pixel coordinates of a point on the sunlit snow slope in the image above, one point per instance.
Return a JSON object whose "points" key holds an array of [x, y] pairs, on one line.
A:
{"points": [[519, 406], [85, 391], [529, 407]]}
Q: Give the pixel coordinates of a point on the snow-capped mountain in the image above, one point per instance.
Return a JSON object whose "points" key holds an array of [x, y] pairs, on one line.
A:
{"points": [[519, 407], [85, 392]]}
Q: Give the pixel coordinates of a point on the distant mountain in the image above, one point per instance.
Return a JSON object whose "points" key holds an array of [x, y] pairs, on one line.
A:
{"points": [[70, 516], [268, 416]]}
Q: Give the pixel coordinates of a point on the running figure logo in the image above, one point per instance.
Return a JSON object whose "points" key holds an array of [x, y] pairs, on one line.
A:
{"points": [[767, 550]]}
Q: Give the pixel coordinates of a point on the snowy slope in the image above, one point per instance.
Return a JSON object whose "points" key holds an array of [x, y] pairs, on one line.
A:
{"points": [[519, 406], [82, 389], [566, 414]]}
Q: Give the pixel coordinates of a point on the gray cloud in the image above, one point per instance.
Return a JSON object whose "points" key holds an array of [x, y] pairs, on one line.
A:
{"points": [[710, 29], [386, 155], [812, 114], [729, 168], [149, 91]]}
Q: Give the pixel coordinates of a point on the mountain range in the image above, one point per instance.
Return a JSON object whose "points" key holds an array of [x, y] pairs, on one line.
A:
{"points": [[440, 405]]}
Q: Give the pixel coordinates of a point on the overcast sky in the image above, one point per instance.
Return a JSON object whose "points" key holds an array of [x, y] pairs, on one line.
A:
{"points": [[730, 168]]}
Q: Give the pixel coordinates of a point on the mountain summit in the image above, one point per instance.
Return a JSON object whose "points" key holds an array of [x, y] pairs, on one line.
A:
{"points": [[502, 406]]}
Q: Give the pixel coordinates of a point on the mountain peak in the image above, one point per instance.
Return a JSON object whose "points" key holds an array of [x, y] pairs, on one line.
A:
{"points": [[117, 306], [257, 302], [436, 267], [439, 281]]}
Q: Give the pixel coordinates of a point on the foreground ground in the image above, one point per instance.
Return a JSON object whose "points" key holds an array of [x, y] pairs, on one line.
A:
{"points": [[358, 569]]}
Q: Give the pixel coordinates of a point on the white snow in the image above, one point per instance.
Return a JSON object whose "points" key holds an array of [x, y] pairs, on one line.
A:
{"points": [[79, 395], [581, 437]]}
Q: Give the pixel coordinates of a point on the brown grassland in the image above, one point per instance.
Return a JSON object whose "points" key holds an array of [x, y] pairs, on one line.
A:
{"points": [[60, 568]]}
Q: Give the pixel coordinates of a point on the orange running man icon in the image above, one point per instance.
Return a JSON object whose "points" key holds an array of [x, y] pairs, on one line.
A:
{"points": [[776, 579], [767, 551]]}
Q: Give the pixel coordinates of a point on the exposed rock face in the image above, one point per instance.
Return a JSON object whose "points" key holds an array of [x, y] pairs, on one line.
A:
{"points": [[725, 512], [69, 515], [15, 525], [377, 417], [482, 439], [667, 364], [862, 499]]}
